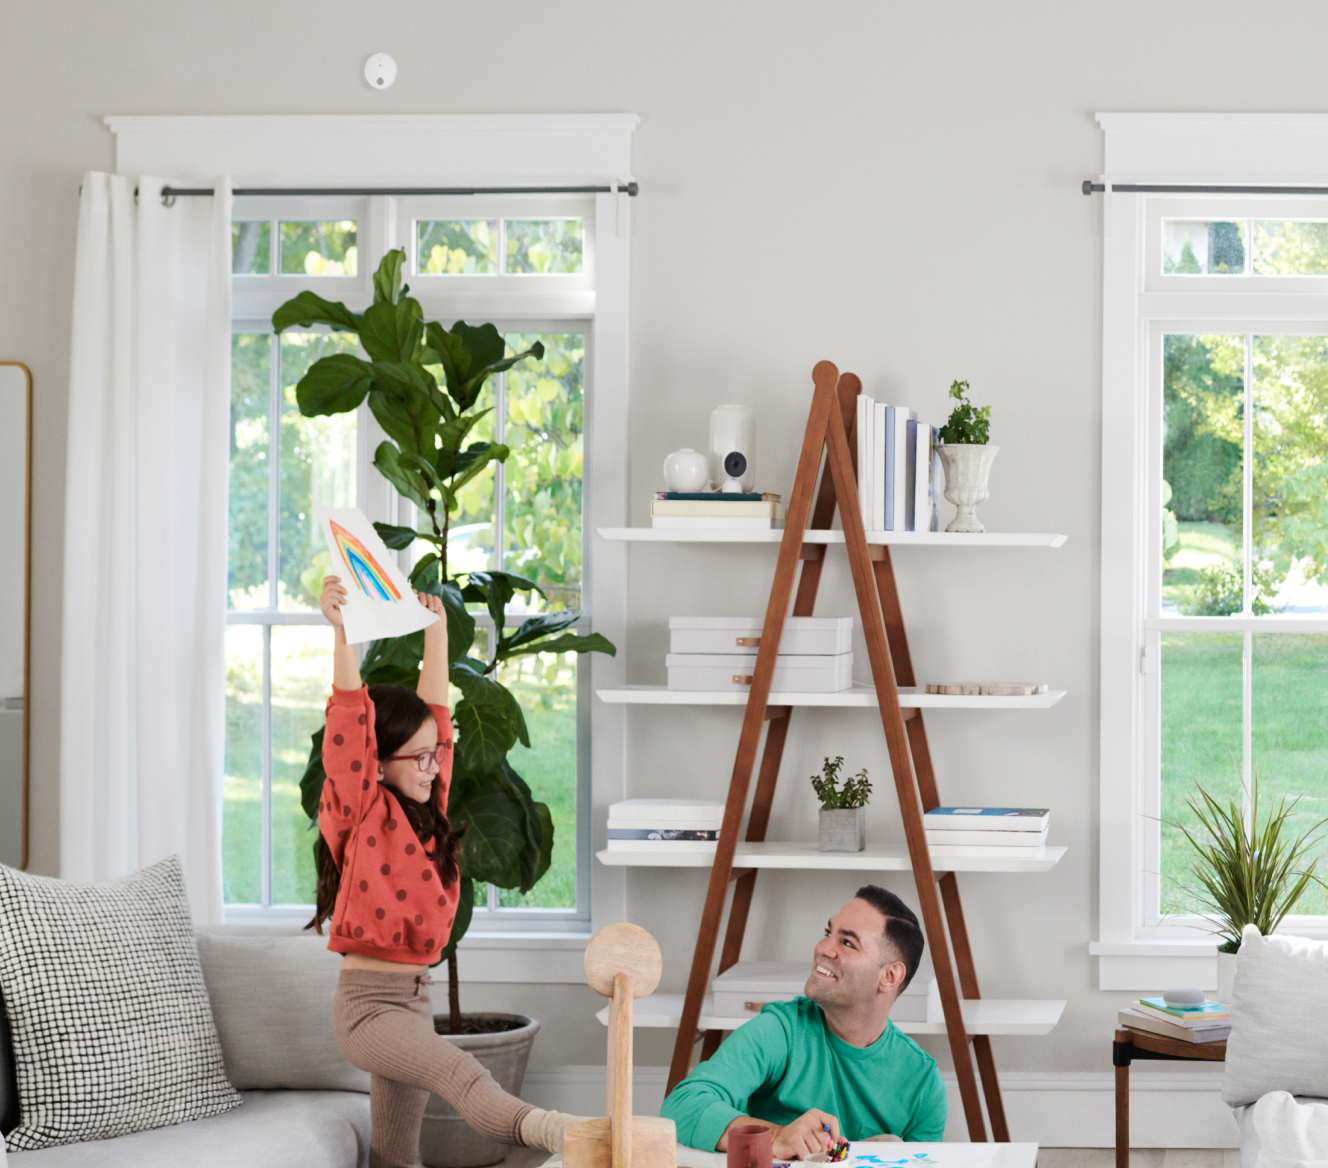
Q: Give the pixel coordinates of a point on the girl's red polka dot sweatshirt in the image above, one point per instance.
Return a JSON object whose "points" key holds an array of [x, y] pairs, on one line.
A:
{"points": [[390, 903]]}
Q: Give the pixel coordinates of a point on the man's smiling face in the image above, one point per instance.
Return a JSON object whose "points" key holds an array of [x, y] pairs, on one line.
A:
{"points": [[847, 961]]}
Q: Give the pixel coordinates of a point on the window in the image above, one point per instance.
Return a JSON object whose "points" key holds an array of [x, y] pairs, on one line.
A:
{"points": [[524, 263], [1214, 529]]}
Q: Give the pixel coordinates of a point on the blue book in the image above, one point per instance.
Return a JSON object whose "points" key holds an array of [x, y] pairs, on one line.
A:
{"points": [[910, 474], [889, 466], [987, 818], [1160, 1004]]}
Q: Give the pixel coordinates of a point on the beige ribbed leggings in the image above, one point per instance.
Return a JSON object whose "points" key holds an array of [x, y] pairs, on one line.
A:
{"points": [[383, 1023]]}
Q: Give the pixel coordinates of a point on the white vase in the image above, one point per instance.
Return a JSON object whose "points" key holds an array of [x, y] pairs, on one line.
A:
{"points": [[732, 428], [686, 470], [966, 471], [1226, 977]]}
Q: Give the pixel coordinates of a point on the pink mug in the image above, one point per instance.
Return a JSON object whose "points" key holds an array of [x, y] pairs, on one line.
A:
{"points": [[749, 1147]]}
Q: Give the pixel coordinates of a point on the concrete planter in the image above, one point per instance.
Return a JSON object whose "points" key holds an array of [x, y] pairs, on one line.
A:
{"points": [[446, 1141], [966, 471], [844, 831]]}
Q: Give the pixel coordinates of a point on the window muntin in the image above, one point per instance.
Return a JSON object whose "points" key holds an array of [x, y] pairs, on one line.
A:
{"points": [[527, 247]]}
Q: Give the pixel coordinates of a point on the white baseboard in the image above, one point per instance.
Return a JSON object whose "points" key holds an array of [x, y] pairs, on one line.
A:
{"points": [[1061, 1109]]}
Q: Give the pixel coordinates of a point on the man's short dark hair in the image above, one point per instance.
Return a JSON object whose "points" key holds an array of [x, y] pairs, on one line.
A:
{"points": [[902, 930]]}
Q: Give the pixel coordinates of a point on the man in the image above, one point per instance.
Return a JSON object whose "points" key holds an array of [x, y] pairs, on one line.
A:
{"points": [[829, 1060]]}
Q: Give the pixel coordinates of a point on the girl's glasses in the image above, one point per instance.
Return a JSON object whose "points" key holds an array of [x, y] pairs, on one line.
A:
{"points": [[425, 757]]}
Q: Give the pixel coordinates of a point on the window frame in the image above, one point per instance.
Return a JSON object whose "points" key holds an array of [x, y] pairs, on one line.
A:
{"points": [[1137, 951]]}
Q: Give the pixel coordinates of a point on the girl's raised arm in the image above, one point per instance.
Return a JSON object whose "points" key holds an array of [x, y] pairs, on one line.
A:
{"points": [[433, 675], [345, 666]]}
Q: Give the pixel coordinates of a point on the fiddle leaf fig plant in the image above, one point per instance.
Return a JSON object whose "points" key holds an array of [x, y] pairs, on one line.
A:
{"points": [[422, 383]]}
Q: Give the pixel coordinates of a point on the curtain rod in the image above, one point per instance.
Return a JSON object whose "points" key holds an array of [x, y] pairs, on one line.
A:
{"points": [[170, 194], [1091, 187]]}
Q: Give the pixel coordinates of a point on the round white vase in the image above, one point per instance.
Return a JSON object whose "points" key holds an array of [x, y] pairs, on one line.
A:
{"points": [[686, 470], [966, 471]]}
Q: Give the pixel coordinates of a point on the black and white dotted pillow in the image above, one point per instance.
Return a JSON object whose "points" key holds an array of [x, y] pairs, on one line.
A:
{"points": [[112, 1029]]}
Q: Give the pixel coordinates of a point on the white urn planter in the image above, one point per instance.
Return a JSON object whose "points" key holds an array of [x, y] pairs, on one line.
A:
{"points": [[966, 470]]}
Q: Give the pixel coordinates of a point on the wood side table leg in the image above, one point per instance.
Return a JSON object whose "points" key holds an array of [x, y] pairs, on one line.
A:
{"points": [[1123, 1116]]}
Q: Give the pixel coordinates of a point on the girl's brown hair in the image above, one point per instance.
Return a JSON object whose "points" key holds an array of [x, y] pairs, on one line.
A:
{"points": [[398, 714]]}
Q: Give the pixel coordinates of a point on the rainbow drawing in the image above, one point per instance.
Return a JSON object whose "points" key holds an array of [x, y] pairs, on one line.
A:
{"points": [[368, 573]]}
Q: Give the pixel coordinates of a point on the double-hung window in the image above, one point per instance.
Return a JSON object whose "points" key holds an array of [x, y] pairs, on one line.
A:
{"points": [[525, 263], [1215, 550]]}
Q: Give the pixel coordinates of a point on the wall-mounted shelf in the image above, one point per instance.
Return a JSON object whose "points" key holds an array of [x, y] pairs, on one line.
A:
{"points": [[807, 856], [863, 696], [955, 539], [1009, 1016]]}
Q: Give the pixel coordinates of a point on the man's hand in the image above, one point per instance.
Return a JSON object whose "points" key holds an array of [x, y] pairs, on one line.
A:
{"points": [[805, 1136]]}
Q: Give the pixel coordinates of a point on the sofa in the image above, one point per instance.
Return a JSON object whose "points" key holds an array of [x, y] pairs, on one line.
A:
{"points": [[1276, 1071], [303, 1104]]}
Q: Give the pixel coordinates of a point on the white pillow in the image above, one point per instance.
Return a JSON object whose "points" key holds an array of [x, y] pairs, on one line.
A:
{"points": [[1283, 1132], [1279, 1018], [111, 1024]]}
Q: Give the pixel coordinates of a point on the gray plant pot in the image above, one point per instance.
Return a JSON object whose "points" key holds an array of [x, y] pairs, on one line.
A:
{"points": [[446, 1140], [844, 831]]}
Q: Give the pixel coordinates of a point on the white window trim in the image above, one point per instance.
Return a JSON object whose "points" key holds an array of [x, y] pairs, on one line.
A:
{"points": [[1270, 149], [479, 150]]}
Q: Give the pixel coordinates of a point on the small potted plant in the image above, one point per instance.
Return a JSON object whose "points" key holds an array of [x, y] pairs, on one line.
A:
{"points": [[967, 458], [1247, 872], [843, 808]]}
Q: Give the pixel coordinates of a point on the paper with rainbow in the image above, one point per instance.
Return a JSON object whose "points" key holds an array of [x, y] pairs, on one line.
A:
{"points": [[380, 602]]}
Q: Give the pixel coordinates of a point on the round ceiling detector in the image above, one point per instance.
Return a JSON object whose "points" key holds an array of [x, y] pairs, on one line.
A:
{"points": [[380, 71]]}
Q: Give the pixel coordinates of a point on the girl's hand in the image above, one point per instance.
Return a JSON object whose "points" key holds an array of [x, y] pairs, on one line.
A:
{"points": [[433, 670], [435, 605], [334, 596]]}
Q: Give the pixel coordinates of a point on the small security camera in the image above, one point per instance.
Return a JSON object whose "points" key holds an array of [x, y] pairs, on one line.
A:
{"points": [[735, 466], [380, 71]]}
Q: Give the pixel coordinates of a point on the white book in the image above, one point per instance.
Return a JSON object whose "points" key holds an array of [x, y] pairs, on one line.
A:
{"points": [[902, 415], [878, 464], [922, 480], [986, 839], [736, 522], [862, 416], [973, 852], [872, 475]]}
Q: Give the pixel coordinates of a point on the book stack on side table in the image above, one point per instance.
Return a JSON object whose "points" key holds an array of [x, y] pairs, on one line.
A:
{"points": [[741, 991], [1205, 1022], [986, 832], [740, 510], [652, 825], [719, 653]]}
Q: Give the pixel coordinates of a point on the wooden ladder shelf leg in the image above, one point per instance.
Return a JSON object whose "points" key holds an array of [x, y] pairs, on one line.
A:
{"points": [[829, 432]]}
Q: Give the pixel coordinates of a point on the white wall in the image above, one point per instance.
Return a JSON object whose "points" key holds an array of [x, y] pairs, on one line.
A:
{"points": [[892, 185]]}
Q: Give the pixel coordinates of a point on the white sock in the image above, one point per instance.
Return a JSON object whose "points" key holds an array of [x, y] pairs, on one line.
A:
{"points": [[545, 1129]]}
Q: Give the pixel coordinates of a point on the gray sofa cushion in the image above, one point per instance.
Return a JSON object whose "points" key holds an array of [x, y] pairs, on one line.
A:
{"points": [[271, 1129], [272, 1002]]}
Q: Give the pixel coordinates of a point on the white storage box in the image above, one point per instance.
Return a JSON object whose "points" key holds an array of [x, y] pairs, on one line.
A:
{"points": [[668, 812], [793, 673], [743, 990], [651, 824], [821, 635]]}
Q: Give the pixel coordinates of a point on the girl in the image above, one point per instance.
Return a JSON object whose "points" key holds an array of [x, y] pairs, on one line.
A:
{"points": [[388, 879]]}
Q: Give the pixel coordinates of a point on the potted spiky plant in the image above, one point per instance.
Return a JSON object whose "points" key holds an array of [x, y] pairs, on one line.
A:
{"points": [[423, 384]]}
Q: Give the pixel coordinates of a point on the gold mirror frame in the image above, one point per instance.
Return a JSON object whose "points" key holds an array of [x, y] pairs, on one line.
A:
{"points": [[27, 594]]}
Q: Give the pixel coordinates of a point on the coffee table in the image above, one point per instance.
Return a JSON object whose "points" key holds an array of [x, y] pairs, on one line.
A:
{"points": [[1140, 1044], [869, 1154]]}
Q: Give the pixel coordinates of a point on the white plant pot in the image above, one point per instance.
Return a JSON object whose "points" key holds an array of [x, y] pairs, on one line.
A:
{"points": [[686, 470], [843, 830], [1226, 977], [966, 471]]}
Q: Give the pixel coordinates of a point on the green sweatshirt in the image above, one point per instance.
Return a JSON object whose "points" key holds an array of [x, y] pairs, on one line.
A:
{"points": [[786, 1061]]}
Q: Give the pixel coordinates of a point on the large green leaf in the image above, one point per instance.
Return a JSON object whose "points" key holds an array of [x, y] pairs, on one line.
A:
{"points": [[495, 589], [392, 659], [310, 309], [403, 406], [424, 575], [396, 538], [387, 458], [453, 432], [465, 911], [567, 643], [392, 332], [534, 627], [311, 782], [495, 818], [333, 385], [388, 288], [484, 734], [470, 355], [469, 464], [460, 624]]}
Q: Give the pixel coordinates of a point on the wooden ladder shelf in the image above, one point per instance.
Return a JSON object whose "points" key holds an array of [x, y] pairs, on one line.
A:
{"points": [[830, 430]]}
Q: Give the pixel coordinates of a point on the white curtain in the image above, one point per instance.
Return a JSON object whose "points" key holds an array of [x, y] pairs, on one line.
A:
{"points": [[143, 668]]}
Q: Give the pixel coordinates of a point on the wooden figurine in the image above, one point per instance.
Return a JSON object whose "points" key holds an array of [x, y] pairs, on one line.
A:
{"points": [[622, 962]]}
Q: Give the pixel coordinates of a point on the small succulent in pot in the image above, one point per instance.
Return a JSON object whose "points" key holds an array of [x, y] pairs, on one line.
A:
{"points": [[843, 819]]}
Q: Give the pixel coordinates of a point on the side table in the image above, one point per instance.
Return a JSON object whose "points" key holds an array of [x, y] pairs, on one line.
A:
{"points": [[1139, 1044]]}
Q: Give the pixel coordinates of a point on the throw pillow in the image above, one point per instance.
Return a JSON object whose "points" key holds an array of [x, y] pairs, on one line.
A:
{"points": [[1281, 1131], [272, 1002], [1278, 1019], [111, 1025]]}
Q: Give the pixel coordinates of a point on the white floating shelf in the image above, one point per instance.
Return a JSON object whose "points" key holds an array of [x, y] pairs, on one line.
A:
{"points": [[807, 856], [983, 1016], [775, 535], [859, 695]]}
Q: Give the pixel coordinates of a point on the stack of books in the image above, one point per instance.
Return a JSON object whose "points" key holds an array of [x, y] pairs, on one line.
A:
{"points": [[1206, 1022], [741, 510], [899, 469], [987, 832], [651, 825]]}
